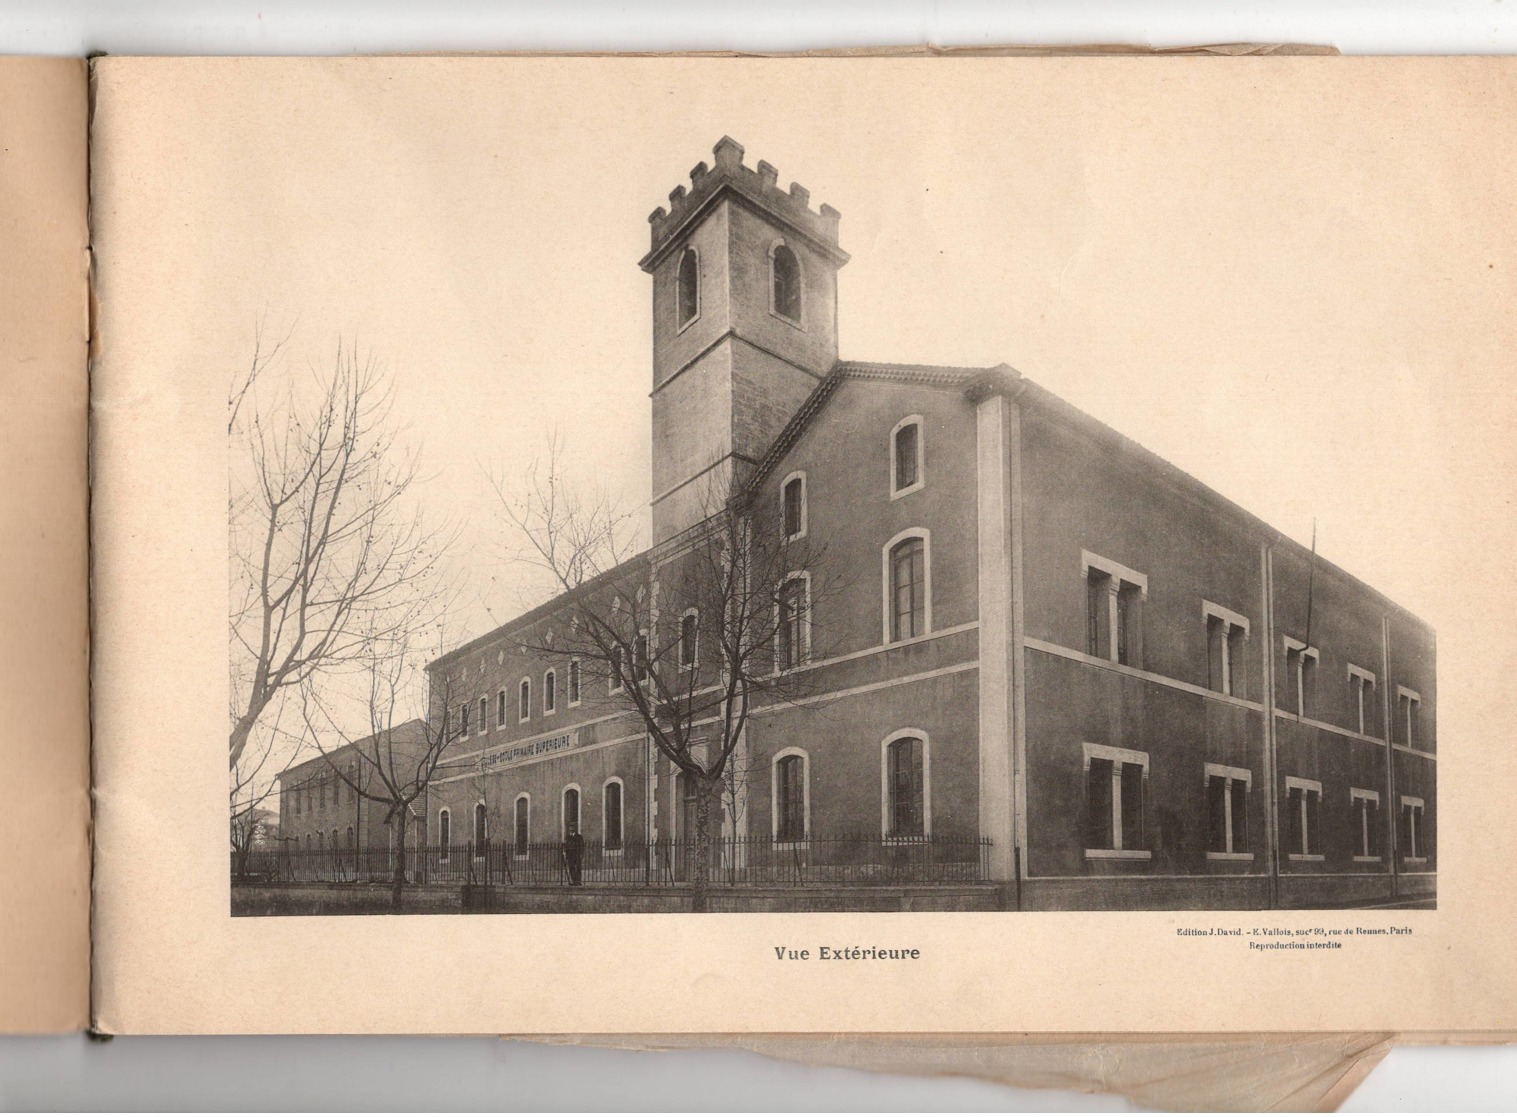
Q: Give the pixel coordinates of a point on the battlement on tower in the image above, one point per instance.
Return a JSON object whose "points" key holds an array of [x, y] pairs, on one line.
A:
{"points": [[760, 187]]}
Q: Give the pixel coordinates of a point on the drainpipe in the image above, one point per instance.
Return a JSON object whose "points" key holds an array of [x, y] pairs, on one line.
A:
{"points": [[1392, 808], [1271, 759]]}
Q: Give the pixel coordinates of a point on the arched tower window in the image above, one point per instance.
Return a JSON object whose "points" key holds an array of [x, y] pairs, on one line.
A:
{"points": [[689, 284], [786, 275]]}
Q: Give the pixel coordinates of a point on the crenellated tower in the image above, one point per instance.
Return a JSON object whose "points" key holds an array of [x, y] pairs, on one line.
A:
{"points": [[744, 326]]}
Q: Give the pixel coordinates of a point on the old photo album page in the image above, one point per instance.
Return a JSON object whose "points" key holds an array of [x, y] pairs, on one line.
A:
{"points": [[804, 545]]}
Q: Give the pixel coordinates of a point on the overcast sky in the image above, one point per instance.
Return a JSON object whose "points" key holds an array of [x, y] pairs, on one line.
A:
{"points": [[1292, 289]]}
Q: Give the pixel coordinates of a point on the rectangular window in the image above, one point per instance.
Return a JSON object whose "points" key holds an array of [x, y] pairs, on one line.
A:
{"points": [[1362, 689], [640, 656], [500, 709], [790, 799], [1413, 836], [524, 701], [463, 719], [484, 714], [1300, 676], [908, 589], [1226, 632], [1227, 812], [617, 670], [1407, 703], [907, 444], [689, 635], [550, 692], [1115, 802], [1303, 809], [1113, 610], [904, 772], [794, 507], [522, 820], [1366, 819], [792, 624], [574, 682]]}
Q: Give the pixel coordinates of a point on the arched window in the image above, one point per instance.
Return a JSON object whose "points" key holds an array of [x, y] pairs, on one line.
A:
{"points": [[617, 670], [793, 638], [500, 708], [350, 837], [793, 506], [640, 657], [571, 811], [463, 719], [791, 796], [905, 785], [689, 287], [689, 638], [611, 814], [522, 824], [908, 586], [308, 843], [574, 682], [524, 707], [444, 832], [481, 826], [321, 840], [786, 273], [906, 473], [550, 692], [484, 714]]}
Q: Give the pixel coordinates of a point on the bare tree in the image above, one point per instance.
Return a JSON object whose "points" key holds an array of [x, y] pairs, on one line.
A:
{"points": [[326, 557], [251, 781], [690, 636], [394, 764]]}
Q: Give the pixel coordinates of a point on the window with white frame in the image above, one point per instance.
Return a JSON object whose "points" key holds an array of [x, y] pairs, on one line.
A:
{"points": [[444, 833], [1413, 836], [1407, 702], [793, 506], [524, 700], [1303, 818], [484, 714], [611, 815], [1114, 596], [906, 785], [689, 639], [907, 474], [1300, 674], [1362, 688], [500, 708], [785, 286], [481, 826], [688, 287], [1227, 812], [1365, 807], [1116, 793], [522, 824], [790, 796], [463, 719], [908, 585], [570, 817], [550, 691], [1226, 632], [793, 623], [574, 682]]}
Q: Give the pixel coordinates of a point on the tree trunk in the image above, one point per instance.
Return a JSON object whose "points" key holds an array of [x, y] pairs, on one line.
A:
{"points": [[707, 816], [398, 881]]}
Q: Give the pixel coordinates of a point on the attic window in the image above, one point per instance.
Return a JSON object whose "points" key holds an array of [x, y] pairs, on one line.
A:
{"points": [[689, 287], [786, 271]]}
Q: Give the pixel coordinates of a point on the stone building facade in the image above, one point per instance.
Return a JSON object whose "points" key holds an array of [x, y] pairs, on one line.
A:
{"points": [[1042, 634]]}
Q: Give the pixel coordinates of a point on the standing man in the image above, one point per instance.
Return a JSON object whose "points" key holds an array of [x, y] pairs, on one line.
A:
{"points": [[574, 853]]}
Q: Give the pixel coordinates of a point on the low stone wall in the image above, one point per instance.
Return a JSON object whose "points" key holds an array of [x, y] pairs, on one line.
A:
{"points": [[363, 899]]}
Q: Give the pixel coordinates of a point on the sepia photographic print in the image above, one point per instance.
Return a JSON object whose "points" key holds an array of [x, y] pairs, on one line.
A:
{"points": [[582, 560]]}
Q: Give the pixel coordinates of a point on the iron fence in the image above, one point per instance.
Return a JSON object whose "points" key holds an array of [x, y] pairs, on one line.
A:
{"points": [[936, 859]]}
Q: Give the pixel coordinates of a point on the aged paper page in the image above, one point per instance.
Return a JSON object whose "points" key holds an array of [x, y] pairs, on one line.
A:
{"points": [[44, 588], [1306, 310]]}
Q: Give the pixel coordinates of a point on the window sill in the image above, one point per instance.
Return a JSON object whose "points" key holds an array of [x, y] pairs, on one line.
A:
{"points": [[1415, 860], [1217, 855], [687, 323], [1360, 859], [1306, 856], [896, 494], [1118, 855], [785, 318]]}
